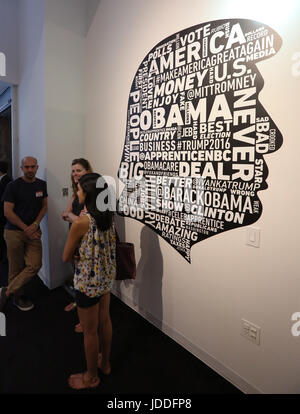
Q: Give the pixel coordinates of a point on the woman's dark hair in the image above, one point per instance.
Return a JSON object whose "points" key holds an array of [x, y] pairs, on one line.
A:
{"points": [[104, 219], [86, 165]]}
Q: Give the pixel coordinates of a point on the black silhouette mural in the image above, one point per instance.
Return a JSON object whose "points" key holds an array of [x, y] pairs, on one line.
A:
{"points": [[197, 134]]}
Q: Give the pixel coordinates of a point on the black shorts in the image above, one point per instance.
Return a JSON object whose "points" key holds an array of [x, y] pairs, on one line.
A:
{"points": [[84, 301]]}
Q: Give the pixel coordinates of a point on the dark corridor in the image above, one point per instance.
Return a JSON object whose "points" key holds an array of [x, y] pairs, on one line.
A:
{"points": [[5, 138]]}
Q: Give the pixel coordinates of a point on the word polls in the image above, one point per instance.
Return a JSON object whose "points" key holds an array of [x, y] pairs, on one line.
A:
{"points": [[197, 135]]}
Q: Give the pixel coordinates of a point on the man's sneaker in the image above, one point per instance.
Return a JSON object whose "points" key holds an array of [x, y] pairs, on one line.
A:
{"points": [[24, 304], [3, 298]]}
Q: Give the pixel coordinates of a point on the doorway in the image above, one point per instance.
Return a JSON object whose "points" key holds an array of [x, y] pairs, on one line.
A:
{"points": [[6, 130]]}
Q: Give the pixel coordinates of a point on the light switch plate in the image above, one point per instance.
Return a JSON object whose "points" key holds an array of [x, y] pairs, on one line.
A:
{"points": [[251, 331], [253, 236]]}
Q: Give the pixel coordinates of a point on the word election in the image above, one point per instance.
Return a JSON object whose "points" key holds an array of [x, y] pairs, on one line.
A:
{"points": [[197, 135]]}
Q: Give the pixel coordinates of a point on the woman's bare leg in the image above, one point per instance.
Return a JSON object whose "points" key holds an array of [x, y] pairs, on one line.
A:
{"points": [[105, 328], [89, 319]]}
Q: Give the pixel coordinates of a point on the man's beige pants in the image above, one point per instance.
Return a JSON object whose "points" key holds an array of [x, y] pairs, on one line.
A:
{"points": [[24, 259]]}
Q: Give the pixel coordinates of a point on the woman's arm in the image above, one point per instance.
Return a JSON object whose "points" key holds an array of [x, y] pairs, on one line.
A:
{"points": [[68, 209], [67, 215], [78, 229], [71, 217]]}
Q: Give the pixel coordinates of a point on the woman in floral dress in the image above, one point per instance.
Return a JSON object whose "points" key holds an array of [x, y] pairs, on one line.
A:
{"points": [[92, 243]]}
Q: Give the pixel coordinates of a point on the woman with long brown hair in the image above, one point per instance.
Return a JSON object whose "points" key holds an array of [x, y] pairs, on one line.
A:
{"points": [[80, 167], [92, 239]]}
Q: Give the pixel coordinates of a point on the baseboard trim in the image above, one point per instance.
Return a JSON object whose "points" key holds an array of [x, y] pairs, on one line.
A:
{"points": [[201, 354]]}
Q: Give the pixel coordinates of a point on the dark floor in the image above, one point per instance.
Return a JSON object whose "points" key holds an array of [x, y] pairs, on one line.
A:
{"points": [[41, 349]]}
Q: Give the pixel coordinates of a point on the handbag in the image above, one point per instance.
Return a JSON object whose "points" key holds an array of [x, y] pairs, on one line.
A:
{"points": [[125, 260]]}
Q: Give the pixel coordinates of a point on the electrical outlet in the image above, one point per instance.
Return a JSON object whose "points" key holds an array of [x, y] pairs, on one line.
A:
{"points": [[65, 192], [251, 331]]}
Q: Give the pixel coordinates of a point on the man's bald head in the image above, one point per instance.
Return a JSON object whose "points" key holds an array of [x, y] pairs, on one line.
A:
{"points": [[29, 167], [28, 159]]}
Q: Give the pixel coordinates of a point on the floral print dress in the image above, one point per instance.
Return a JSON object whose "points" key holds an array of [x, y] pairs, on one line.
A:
{"points": [[96, 268]]}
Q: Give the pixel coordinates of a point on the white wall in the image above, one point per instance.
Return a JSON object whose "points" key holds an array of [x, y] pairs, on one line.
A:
{"points": [[201, 304], [31, 91], [50, 110], [65, 28], [9, 39], [30, 138]]}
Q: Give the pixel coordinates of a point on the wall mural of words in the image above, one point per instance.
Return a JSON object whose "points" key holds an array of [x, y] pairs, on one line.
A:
{"points": [[197, 134]]}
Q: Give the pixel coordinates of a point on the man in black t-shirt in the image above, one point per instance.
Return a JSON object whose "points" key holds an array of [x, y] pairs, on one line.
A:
{"points": [[25, 204]]}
